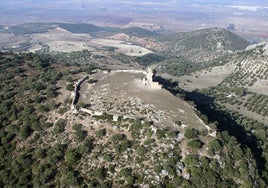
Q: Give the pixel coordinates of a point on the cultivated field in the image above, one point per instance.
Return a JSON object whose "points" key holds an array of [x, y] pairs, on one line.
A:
{"points": [[10, 40], [122, 47], [260, 86], [60, 40], [206, 78]]}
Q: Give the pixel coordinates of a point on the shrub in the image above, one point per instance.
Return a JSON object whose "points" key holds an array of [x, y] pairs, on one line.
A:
{"points": [[72, 157], [141, 150], [101, 133], [59, 126], [25, 131], [160, 133], [100, 173], [107, 158], [92, 81], [62, 110], [40, 153], [125, 172], [117, 137], [195, 143], [80, 135], [70, 87], [77, 127], [191, 133], [87, 146]]}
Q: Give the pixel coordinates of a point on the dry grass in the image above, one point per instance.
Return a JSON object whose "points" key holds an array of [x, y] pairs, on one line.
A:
{"points": [[63, 41], [10, 40], [125, 94], [260, 86], [123, 47], [60, 40], [206, 78]]}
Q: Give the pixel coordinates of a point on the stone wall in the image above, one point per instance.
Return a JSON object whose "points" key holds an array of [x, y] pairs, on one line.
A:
{"points": [[99, 113], [130, 71], [156, 85], [76, 91], [148, 80]]}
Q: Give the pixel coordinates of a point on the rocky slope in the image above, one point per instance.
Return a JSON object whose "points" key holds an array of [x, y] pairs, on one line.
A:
{"points": [[43, 142]]}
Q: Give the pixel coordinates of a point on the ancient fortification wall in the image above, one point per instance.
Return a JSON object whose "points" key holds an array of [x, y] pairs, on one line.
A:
{"points": [[76, 90], [130, 71], [148, 81]]}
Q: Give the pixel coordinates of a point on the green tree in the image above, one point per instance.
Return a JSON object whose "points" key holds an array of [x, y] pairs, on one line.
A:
{"points": [[196, 143], [25, 131], [70, 87], [141, 150], [214, 146], [72, 157], [191, 133]]}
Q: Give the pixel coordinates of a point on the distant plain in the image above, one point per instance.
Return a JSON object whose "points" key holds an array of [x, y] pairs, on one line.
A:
{"points": [[246, 18]]}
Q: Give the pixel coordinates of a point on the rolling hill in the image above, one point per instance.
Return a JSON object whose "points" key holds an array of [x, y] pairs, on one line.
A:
{"points": [[251, 69], [202, 45], [31, 28]]}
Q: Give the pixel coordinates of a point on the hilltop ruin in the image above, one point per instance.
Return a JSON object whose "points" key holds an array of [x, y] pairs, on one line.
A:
{"points": [[149, 79]]}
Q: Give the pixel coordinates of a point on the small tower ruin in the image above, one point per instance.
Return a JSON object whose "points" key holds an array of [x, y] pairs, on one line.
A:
{"points": [[149, 79]]}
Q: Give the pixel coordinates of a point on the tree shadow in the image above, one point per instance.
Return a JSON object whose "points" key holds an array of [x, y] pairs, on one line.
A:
{"points": [[226, 122]]}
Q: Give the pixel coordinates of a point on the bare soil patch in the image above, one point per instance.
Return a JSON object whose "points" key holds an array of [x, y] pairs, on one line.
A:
{"points": [[250, 114], [61, 40], [260, 86], [124, 94], [123, 47], [206, 78]]}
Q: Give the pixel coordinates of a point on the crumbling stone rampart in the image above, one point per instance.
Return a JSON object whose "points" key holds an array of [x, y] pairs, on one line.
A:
{"points": [[148, 80], [76, 91]]}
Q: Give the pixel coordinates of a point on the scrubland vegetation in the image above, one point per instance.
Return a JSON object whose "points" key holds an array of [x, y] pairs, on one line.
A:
{"points": [[46, 144], [36, 151]]}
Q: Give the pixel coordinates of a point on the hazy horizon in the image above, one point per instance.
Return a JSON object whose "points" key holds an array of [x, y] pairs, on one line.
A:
{"points": [[177, 15]]}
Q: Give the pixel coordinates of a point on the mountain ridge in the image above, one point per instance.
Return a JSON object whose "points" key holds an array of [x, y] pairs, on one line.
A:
{"points": [[204, 44]]}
